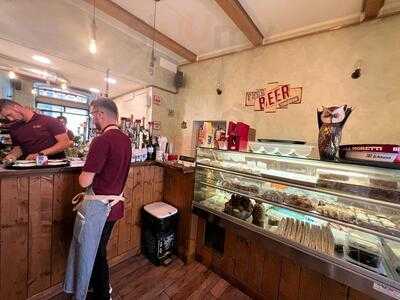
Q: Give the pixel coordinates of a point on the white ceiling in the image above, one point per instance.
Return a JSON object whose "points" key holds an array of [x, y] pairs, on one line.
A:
{"points": [[199, 25], [283, 17], [60, 30], [203, 27]]}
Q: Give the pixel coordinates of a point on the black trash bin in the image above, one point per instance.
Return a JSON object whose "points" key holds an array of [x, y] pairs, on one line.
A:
{"points": [[159, 224]]}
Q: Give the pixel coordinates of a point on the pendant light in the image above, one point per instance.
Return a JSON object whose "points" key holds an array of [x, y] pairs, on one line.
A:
{"points": [[153, 50], [12, 75], [92, 43], [107, 83]]}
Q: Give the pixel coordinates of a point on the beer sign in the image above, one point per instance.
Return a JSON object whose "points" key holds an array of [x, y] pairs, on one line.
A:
{"points": [[275, 96]]}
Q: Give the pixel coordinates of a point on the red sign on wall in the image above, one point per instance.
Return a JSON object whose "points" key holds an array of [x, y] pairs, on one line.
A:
{"points": [[273, 97], [157, 99]]}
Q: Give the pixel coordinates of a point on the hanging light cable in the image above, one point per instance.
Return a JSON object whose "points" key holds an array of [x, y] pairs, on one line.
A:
{"points": [[153, 50], [107, 83], [92, 43]]}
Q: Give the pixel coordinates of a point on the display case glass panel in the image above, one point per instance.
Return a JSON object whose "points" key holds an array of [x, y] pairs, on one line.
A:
{"points": [[284, 197]]}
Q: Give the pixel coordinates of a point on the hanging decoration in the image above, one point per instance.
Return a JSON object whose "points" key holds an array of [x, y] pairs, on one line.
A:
{"points": [[106, 92], [153, 49], [92, 42], [157, 99], [273, 97]]}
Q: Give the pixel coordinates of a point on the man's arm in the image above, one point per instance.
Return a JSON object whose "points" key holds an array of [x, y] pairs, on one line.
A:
{"points": [[63, 143], [14, 154], [86, 179], [95, 161]]}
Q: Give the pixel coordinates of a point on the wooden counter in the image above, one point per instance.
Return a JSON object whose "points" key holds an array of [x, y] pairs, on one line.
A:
{"points": [[37, 220]]}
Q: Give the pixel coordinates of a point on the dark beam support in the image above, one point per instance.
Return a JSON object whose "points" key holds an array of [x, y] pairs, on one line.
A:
{"points": [[239, 16], [117, 12], [371, 8]]}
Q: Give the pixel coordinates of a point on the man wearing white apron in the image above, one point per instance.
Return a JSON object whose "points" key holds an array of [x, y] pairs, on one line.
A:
{"points": [[103, 175]]}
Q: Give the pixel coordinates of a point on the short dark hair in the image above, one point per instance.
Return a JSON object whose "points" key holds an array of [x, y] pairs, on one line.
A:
{"points": [[106, 104], [62, 118], [6, 102]]}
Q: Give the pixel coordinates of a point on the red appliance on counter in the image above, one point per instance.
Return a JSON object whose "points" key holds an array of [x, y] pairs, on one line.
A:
{"points": [[238, 136]]}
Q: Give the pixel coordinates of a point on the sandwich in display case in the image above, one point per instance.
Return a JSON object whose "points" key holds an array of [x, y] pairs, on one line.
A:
{"points": [[345, 214]]}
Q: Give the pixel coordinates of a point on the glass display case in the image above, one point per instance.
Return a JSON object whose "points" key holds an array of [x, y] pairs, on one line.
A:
{"points": [[345, 213]]}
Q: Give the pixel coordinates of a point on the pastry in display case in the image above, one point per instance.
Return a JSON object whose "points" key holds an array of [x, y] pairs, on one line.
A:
{"points": [[283, 197]]}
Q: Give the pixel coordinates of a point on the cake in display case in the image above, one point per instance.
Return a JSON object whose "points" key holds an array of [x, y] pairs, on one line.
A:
{"points": [[344, 213]]}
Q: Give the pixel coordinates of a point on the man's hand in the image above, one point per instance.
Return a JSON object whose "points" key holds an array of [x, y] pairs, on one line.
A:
{"points": [[32, 156], [14, 154], [9, 159]]}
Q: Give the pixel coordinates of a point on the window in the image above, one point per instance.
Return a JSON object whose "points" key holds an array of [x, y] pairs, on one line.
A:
{"points": [[77, 118], [56, 93], [71, 104]]}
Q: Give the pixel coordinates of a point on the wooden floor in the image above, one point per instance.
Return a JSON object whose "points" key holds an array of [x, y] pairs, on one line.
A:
{"points": [[137, 278]]}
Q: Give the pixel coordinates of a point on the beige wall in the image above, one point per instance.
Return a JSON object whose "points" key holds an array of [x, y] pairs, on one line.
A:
{"points": [[136, 103], [322, 64], [161, 113]]}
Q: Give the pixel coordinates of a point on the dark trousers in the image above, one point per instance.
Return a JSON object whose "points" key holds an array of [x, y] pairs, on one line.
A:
{"points": [[100, 279]]}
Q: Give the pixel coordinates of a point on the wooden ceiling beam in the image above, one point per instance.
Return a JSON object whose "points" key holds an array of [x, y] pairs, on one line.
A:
{"points": [[371, 8], [117, 12], [239, 16]]}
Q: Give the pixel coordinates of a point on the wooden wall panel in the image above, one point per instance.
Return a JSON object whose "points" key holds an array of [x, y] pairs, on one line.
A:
{"points": [[14, 238], [112, 246], [125, 227], [271, 276], [356, 295], [137, 193], [228, 259], [289, 281], [255, 275], [66, 186], [242, 260], [158, 184], [178, 192], [136, 238], [39, 239], [137, 203], [204, 254], [310, 285], [333, 290], [148, 185]]}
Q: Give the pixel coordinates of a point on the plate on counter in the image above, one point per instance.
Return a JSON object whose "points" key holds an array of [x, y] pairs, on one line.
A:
{"points": [[31, 164]]}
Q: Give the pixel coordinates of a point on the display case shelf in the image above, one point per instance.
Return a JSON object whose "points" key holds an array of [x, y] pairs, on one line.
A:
{"points": [[360, 182], [315, 215], [305, 185]]}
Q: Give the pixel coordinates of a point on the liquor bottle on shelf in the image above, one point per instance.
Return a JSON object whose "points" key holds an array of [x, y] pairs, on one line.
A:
{"points": [[150, 146], [141, 137], [156, 147]]}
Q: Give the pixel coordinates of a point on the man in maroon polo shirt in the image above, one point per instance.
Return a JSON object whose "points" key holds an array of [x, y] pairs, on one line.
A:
{"points": [[106, 170], [70, 134], [32, 133]]}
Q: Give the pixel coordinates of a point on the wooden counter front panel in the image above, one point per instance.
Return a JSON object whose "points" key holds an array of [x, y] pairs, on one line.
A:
{"points": [[178, 192], [66, 186], [14, 238], [40, 233], [37, 221], [263, 274]]}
